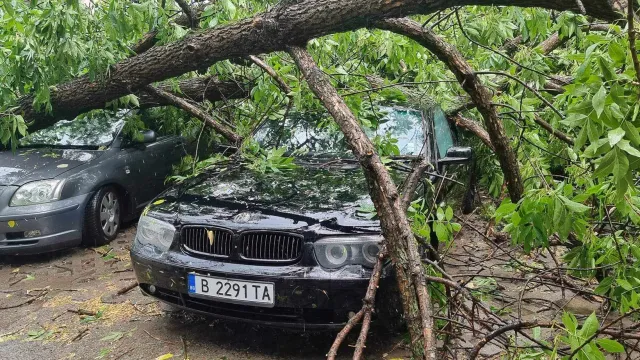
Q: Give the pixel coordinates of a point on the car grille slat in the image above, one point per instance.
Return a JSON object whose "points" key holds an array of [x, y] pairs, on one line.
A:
{"points": [[255, 246], [196, 239], [271, 246]]}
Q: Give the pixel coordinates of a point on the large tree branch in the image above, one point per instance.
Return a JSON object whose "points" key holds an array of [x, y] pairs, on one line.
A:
{"points": [[393, 220], [289, 23], [480, 94], [197, 112], [198, 90]]}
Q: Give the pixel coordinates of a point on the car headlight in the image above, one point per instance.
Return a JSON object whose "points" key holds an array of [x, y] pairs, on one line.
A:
{"points": [[336, 252], [157, 233], [37, 192]]}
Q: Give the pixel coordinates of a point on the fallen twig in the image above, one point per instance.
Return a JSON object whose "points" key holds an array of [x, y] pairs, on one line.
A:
{"points": [[25, 302], [127, 288], [80, 335], [82, 312], [343, 333], [369, 300]]}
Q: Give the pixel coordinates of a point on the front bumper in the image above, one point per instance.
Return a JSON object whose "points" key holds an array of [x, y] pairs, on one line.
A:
{"points": [[306, 297], [35, 229]]}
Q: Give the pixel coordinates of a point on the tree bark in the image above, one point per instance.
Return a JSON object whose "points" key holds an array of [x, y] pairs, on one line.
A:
{"points": [[393, 220], [198, 90], [197, 112], [473, 127], [291, 22], [480, 94]]}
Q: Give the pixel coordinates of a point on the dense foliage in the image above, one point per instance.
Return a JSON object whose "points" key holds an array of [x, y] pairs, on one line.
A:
{"points": [[584, 196]]}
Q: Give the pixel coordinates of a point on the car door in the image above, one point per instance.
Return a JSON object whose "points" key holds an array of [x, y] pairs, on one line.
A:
{"points": [[150, 164]]}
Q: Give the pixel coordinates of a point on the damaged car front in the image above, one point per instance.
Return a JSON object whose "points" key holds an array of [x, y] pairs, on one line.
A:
{"points": [[292, 249]]}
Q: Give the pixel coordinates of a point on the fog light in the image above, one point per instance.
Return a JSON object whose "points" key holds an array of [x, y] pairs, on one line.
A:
{"points": [[32, 233], [152, 289]]}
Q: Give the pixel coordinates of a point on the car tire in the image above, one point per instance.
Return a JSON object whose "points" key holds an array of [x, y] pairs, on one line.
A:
{"points": [[102, 217]]}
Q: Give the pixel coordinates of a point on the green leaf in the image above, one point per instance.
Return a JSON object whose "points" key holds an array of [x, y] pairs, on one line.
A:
{"points": [[448, 214], [598, 100], [617, 52], [570, 322], [611, 346], [590, 326], [573, 206], [632, 133], [604, 286], [626, 146], [441, 231], [625, 284], [615, 136]]}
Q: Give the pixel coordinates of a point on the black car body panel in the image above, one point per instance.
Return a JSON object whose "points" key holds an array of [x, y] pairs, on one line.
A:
{"points": [[319, 200], [137, 171]]}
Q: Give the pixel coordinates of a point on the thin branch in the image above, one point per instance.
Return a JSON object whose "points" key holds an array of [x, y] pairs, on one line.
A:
{"points": [[412, 182], [189, 12], [331, 355], [534, 91], [196, 112], [269, 70], [498, 332], [557, 133], [369, 301]]}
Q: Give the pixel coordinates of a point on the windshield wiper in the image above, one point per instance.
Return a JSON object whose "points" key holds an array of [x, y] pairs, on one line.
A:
{"points": [[58, 146]]}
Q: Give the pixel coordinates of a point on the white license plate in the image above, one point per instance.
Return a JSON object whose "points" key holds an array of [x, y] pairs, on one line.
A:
{"points": [[234, 291]]}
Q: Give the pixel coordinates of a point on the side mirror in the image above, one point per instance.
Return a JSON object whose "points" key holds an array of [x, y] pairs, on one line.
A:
{"points": [[148, 136], [456, 155]]}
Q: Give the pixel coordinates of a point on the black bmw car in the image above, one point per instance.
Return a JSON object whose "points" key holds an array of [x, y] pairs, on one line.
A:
{"points": [[77, 181], [288, 249]]}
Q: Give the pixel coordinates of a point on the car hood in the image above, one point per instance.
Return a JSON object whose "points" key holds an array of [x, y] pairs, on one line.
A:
{"points": [[24, 165], [336, 199]]}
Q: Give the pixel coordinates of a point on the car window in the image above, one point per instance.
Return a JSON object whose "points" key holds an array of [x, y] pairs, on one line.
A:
{"points": [[444, 138], [320, 135], [405, 125], [94, 129]]}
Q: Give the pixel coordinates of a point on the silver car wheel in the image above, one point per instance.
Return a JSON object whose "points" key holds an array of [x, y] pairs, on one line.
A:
{"points": [[109, 213]]}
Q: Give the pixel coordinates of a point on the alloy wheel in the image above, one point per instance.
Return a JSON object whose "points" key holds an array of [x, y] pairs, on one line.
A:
{"points": [[109, 213]]}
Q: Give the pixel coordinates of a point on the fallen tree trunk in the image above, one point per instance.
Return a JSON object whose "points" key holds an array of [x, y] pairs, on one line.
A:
{"points": [[480, 94], [391, 212], [291, 22]]}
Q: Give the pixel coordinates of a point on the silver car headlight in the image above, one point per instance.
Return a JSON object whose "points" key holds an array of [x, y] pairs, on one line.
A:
{"points": [[336, 252], [157, 233], [37, 192]]}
